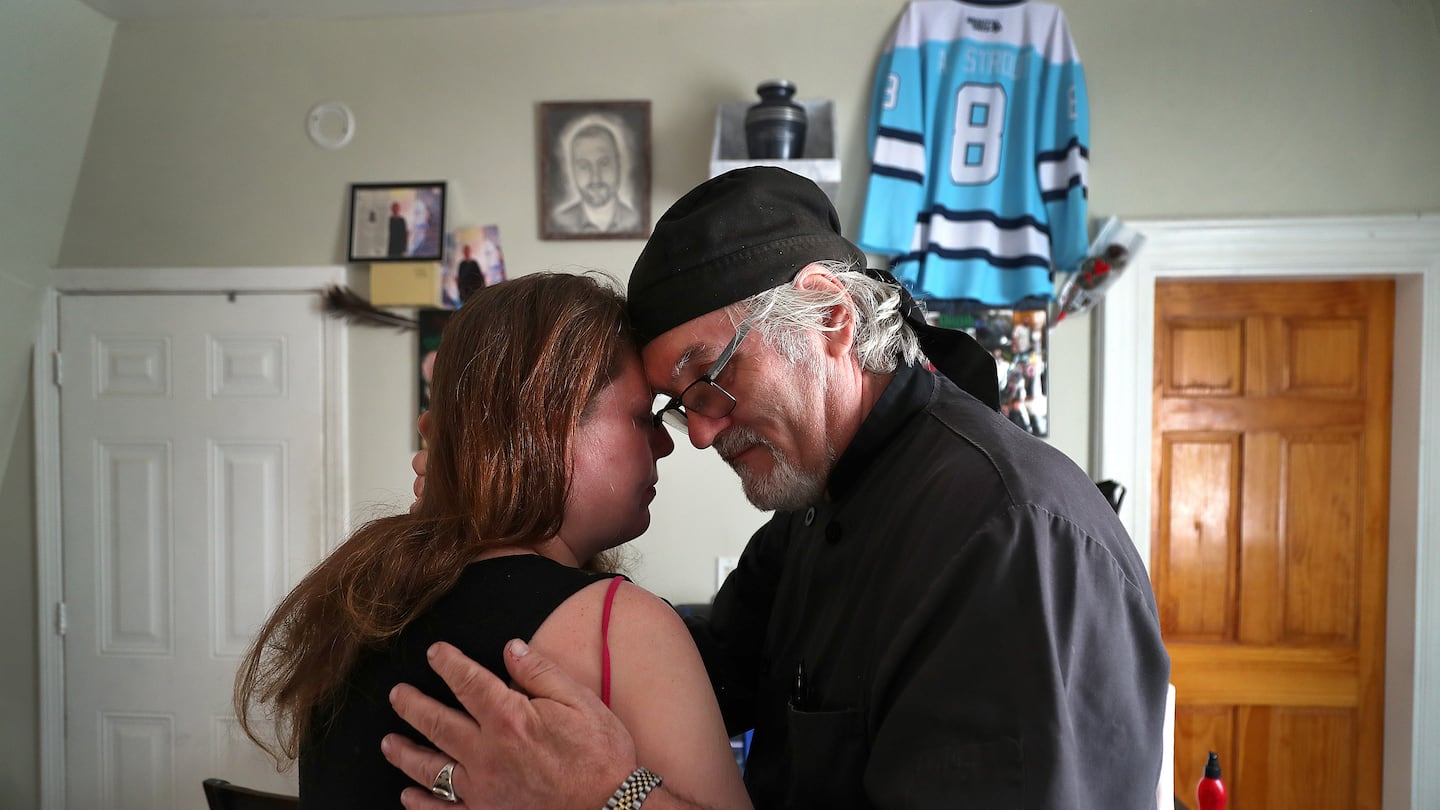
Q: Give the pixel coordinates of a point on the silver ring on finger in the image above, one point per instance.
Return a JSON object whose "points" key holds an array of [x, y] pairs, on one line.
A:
{"points": [[443, 787]]}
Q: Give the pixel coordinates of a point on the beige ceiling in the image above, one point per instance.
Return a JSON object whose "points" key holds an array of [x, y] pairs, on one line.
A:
{"points": [[334, 9], [237, 9]]}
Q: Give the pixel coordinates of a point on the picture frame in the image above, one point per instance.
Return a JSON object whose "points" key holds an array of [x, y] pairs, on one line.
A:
{"points": [[1019, 340], [473, 259], [594, 169], [397, 222]]}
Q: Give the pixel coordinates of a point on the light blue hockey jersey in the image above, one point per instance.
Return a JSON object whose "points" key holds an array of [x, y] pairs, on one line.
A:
{"points": [[979, 145]]}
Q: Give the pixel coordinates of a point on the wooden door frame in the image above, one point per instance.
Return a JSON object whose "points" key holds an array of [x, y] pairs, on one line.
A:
{"points": [[48, 510], [1403, 248]]}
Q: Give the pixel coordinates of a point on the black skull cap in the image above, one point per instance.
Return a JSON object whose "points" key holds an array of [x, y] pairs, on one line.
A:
{"points": [[731, 237]]}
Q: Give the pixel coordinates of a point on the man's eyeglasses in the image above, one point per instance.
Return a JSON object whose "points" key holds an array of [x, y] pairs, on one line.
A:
{"points": [[704, 396]]}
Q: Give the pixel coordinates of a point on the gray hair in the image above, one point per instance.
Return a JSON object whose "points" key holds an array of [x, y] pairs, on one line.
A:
{"points": [[784, 314]]}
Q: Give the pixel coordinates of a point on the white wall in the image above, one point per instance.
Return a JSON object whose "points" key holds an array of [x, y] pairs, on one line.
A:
{"points": [[52, 61]]}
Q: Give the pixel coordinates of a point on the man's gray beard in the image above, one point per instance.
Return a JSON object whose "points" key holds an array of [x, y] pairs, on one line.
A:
{"points": [[786, 487]]}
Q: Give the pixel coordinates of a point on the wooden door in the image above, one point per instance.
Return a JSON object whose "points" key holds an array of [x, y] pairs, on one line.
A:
{"points": [[1271, 478]]}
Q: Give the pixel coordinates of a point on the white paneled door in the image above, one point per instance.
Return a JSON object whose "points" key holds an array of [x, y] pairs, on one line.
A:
{"points": [[193, 479]]}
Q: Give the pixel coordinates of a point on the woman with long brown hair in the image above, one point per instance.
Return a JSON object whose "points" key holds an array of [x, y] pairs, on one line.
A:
{"points": [[542, 457]]}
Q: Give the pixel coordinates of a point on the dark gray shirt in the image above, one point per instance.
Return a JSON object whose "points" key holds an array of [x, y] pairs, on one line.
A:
{"points": [[964, 624]]}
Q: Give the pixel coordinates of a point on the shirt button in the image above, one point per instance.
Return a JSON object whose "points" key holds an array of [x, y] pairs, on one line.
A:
{"points": [[809, 516], [832, 533]]}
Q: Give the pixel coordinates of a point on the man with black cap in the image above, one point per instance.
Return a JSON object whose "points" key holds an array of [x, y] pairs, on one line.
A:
{"points": [[943, 610]]}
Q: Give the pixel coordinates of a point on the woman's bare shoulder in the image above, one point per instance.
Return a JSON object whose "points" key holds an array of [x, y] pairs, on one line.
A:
{"points": [[658, 686]]}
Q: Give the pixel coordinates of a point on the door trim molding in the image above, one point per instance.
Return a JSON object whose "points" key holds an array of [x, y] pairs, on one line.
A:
{"points": [[107, 280], [1403, 248], [50, 588], [49, 574]]}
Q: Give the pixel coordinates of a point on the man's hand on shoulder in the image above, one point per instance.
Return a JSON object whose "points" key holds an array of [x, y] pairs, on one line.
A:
{"points": [[559, 748]]}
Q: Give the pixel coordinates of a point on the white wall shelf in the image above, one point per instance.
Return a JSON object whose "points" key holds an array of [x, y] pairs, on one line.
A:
{"points": [[820, 163]]}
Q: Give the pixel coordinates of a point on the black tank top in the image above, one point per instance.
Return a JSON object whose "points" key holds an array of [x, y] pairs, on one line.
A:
{"points": [[494, 601]]}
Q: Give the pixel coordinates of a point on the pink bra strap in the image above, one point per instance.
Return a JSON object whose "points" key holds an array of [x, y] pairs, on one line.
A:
{"points": [[605, 641]]}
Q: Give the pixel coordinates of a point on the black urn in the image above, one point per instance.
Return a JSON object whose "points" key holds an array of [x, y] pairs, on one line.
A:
{"points": [[775, 128]]}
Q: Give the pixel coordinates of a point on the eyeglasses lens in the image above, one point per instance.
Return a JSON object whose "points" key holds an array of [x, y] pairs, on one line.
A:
{"points": [[708, 399]]}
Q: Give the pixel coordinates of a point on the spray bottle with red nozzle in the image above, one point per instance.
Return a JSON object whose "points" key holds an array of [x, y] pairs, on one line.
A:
{"points": [[1211, 791]]}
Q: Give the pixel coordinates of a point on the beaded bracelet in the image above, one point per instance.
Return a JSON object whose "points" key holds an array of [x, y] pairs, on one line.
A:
{"points": [[633, 791]]}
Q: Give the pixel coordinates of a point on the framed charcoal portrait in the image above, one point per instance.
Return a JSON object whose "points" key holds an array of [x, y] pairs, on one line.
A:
{"points": [[594, 169], [397, 222], [1019, 340]]}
